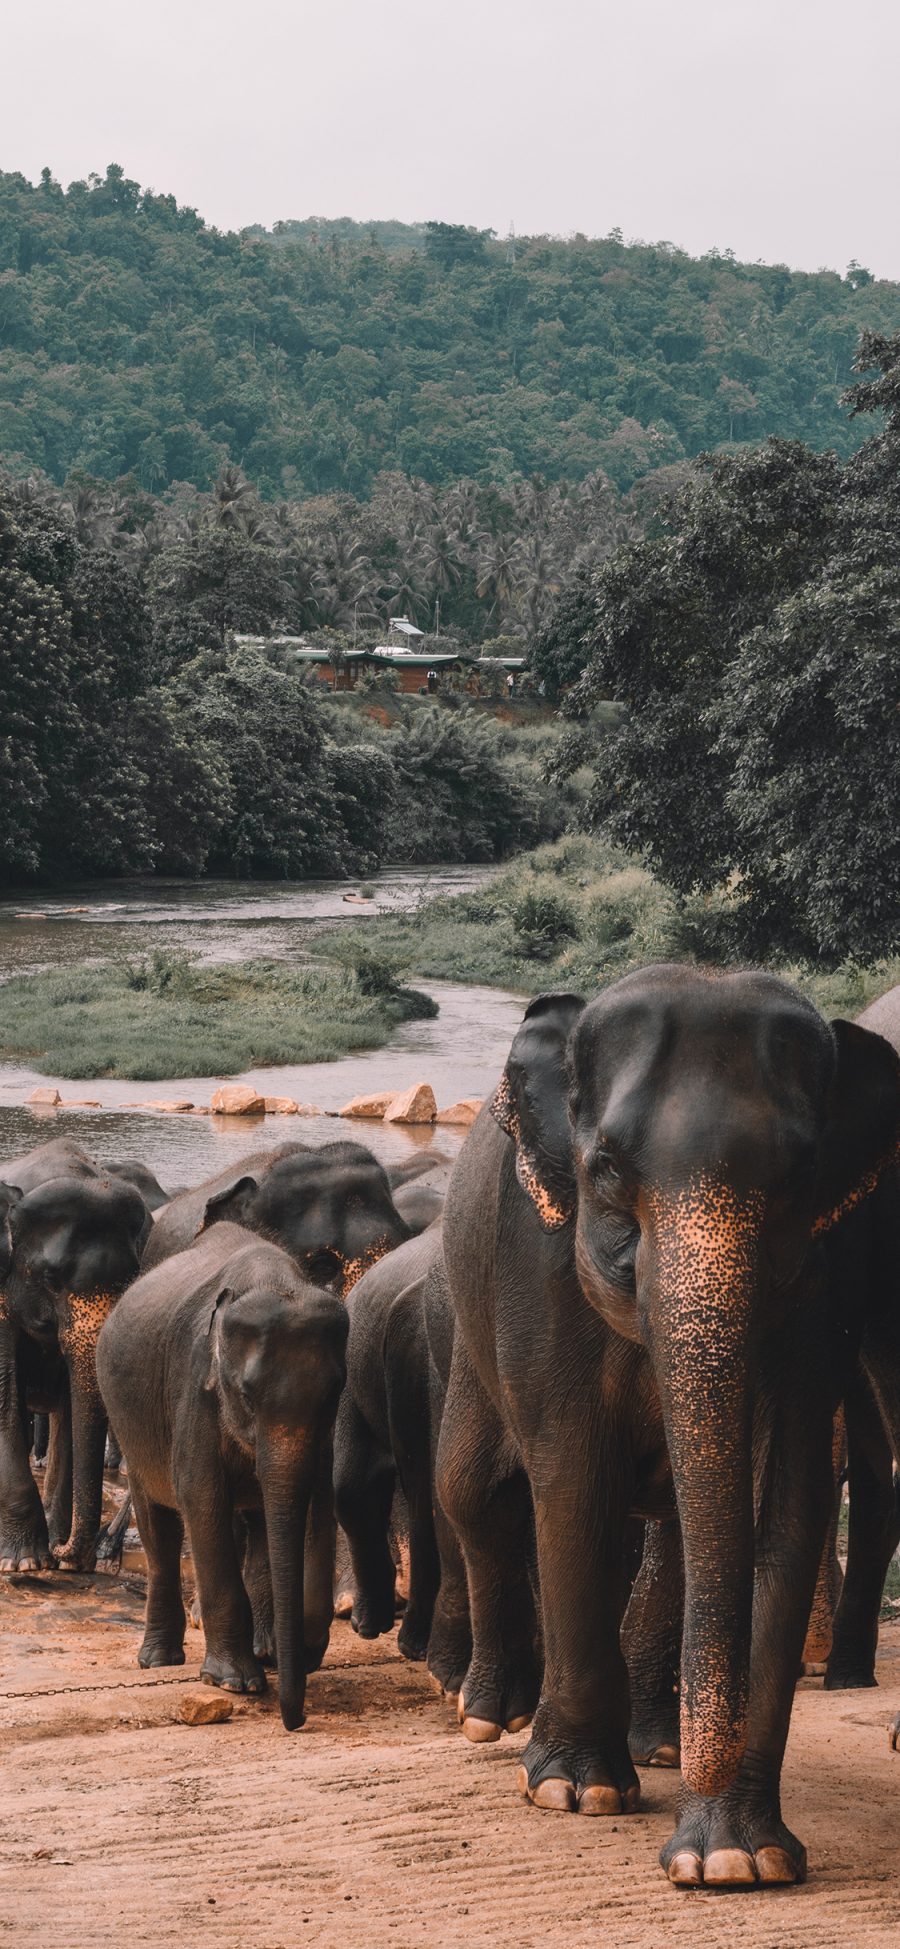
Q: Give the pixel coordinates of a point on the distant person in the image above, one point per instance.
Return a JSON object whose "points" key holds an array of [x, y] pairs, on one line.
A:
{"points": [[431, 681], [510, 684]]}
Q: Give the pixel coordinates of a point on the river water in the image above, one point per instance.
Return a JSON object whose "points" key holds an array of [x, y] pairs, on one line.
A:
{"points": [[461, 1052]]}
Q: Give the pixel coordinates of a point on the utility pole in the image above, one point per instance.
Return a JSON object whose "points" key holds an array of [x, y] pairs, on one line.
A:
{"points": [[437, 615], [511, 243]]}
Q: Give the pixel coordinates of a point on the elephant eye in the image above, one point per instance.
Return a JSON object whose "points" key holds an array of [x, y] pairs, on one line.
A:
{"points": [[605, 1167]]}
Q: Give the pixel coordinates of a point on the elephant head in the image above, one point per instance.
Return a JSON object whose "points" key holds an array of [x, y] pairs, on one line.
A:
{"points": [[330, 1208], [72, 1245], [276, 1361], [695, 1134]]}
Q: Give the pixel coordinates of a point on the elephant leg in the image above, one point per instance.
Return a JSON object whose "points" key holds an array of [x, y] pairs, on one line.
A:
{"points": [[483, 1492], [24, 1543], [162, 1534], [40, 1439], [577, 1760], [449, 1651], [364, 1482], [651, 1641], [58, 1476], [820, 1629], [737, 1839], [113, 1457], [230, 1660], [111, 1539], [406, 1373], [252, 1543], [874, 1533]]}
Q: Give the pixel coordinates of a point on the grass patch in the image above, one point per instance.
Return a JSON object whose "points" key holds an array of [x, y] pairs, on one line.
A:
{"points": [[576, 914], [167, 1017]]}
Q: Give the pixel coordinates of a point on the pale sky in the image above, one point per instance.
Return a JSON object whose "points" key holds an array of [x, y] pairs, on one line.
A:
{"points": [[767, 126]]}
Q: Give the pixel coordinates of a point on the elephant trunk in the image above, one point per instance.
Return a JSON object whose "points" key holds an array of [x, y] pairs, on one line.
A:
{"points": [[703, 1251], [286, 1465], [85, 1315]]}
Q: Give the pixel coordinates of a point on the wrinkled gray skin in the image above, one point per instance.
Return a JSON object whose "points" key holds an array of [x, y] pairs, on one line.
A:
{"points": [[419, 1205], [145, 1182], [70, 1242], [241, 1364], [330, 1207], [382, 1437]]}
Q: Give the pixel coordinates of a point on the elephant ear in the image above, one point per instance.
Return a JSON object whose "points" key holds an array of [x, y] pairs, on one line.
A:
{"points": [[530, 1104], [233, 1203], [216, 1297], [862, 1138], [9, 1197]]}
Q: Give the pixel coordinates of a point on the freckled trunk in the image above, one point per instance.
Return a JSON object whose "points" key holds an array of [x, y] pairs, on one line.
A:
{"points": [[702, 1356], [78, 1341], [286, 1470]]}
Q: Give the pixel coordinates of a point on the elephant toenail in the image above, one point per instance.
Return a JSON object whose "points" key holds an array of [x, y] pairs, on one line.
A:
{"points": [[600, 1800], [686, 1870], [555, 1796]]}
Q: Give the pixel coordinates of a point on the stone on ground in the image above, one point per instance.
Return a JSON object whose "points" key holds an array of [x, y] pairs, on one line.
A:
{"points": [[205, 1709], [45, 1095]]}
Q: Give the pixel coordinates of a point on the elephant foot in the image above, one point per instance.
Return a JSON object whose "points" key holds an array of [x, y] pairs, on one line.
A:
{"points": [[732, 1841], [76, 1555], [343, 1603], [157, 1649], [449, 1652], [654, 1736], [413, 1635], [565, 1776], [241, 1673], [373, 1615], [850, 1672], [894, 1735], [25, 1546], [496, 1700], [264, 1649]]}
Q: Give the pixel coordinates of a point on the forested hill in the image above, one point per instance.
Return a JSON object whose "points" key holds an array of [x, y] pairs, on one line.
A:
{"points": [[135, 340]]}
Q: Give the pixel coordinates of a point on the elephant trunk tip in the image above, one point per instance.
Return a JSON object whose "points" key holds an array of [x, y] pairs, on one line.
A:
{"points": [[293, 1715]]}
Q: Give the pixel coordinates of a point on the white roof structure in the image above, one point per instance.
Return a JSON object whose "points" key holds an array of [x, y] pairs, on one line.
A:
{"points": [[403, 625]]}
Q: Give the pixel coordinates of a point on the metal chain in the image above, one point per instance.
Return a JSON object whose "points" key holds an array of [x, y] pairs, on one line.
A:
{"points": [[145, 1684]]}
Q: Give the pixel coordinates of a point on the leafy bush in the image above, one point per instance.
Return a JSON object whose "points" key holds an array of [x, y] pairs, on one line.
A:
{"points": [[542, 921]]}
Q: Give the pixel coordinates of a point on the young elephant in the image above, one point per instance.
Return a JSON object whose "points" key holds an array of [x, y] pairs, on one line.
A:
{"points": [[644, 1325], [221, 1369], [70, 1242]]}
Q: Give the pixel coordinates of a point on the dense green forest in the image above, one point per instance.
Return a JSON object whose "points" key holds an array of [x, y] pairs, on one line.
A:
{"points": [[138, 342], [753, 644]]}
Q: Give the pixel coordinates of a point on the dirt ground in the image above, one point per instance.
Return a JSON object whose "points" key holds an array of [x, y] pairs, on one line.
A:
{"points": [[377, 1825]]}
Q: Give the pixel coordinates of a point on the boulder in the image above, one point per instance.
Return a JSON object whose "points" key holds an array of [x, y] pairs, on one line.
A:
{"points": [[45, 1095], [81, 1103], [237, 1100], [205, 1709], [280, 1106], [179, 1107], [415, 1105], [309, 1110], [463, 1112], [368, 1106]]}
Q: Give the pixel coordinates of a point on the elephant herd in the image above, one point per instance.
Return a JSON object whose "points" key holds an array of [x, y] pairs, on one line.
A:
{"points": [[614, 1387]]}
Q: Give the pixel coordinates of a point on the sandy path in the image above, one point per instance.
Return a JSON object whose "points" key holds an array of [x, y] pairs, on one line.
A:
{"points": [[377, 1825]]}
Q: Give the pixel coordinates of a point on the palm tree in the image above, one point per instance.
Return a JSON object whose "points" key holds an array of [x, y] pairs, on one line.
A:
{"points": [[230, 494]]}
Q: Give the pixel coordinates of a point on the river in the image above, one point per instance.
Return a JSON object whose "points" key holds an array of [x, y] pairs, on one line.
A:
{"points": [[460, 1052]]}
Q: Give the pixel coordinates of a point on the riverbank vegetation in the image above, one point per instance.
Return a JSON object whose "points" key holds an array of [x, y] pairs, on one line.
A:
{"points": [[140, 342], [575, 915], [165, 1015]]}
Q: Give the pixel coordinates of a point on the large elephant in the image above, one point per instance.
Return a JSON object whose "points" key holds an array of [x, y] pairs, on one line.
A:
{"points": [[644, 1326], [70, 1242], [240, 1363], [329, 1206]]}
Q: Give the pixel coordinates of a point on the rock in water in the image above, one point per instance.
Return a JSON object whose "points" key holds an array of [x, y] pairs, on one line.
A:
{"points": [[463, 1112], [368, 1106], [415, 1105], [237, 1100]]}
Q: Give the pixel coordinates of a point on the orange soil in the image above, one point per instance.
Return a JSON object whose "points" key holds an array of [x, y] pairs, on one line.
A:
{"points": [[377, 1825]]}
